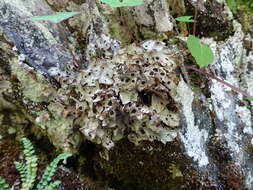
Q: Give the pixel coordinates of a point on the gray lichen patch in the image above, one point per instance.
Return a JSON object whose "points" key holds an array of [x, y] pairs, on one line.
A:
{"points": [[101, 45], [129, 94], [247, 67], [193, 137], [233, 118]]}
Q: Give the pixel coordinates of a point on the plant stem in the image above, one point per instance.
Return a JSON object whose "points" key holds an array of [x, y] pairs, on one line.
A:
{"points": [[195, 18], [238, 90]]}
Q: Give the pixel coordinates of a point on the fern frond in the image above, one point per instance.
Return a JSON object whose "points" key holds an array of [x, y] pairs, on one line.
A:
{"points": [[52, 185], [4, 185], [30, 167], [22, 170], [50, 170]]}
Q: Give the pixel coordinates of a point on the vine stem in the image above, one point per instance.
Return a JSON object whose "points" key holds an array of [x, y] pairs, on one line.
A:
{"points": [[238, 90]]}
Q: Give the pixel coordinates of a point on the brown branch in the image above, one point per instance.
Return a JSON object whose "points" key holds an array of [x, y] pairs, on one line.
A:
{"points": [[238, 90]]}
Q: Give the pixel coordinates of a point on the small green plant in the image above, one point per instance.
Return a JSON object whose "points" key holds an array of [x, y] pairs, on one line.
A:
{"points": [[185, 19], [28, 170], [201, 52], [248, 4], [3, 185], [122, 3], [57, 17], [204, 56]]}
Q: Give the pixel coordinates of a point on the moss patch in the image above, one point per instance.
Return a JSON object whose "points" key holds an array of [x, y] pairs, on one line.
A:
{"points": [[146, 167]]}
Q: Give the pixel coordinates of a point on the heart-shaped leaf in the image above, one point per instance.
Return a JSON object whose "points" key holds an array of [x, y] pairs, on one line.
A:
{"points": [[184, 19], [57, 17], [122, 3], [201, 52]]}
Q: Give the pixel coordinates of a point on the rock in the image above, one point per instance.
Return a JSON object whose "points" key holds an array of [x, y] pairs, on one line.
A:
{"points": [[144, 119]]}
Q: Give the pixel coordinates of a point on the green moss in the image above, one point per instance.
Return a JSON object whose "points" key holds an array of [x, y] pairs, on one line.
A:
{"points": [[248, 4], [145, 167]]}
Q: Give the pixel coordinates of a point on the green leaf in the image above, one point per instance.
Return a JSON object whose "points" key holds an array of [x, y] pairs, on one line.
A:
{"points": [[184, 19], [50, 170], [28, 171], [57, 17], [52, 185], [122, 3], [250, 98], [4, 185], [201, 52]]}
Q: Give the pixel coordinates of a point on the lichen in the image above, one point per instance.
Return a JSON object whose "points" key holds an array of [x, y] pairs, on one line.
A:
{"points": [[56, 125], [136, 93], [125, 76], [230, 114], [125, 93], [193, 137], [33, 84]]}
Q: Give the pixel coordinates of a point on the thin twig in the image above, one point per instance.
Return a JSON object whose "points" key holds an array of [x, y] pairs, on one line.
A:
{"points": [[195, 18], [238, 90]]}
